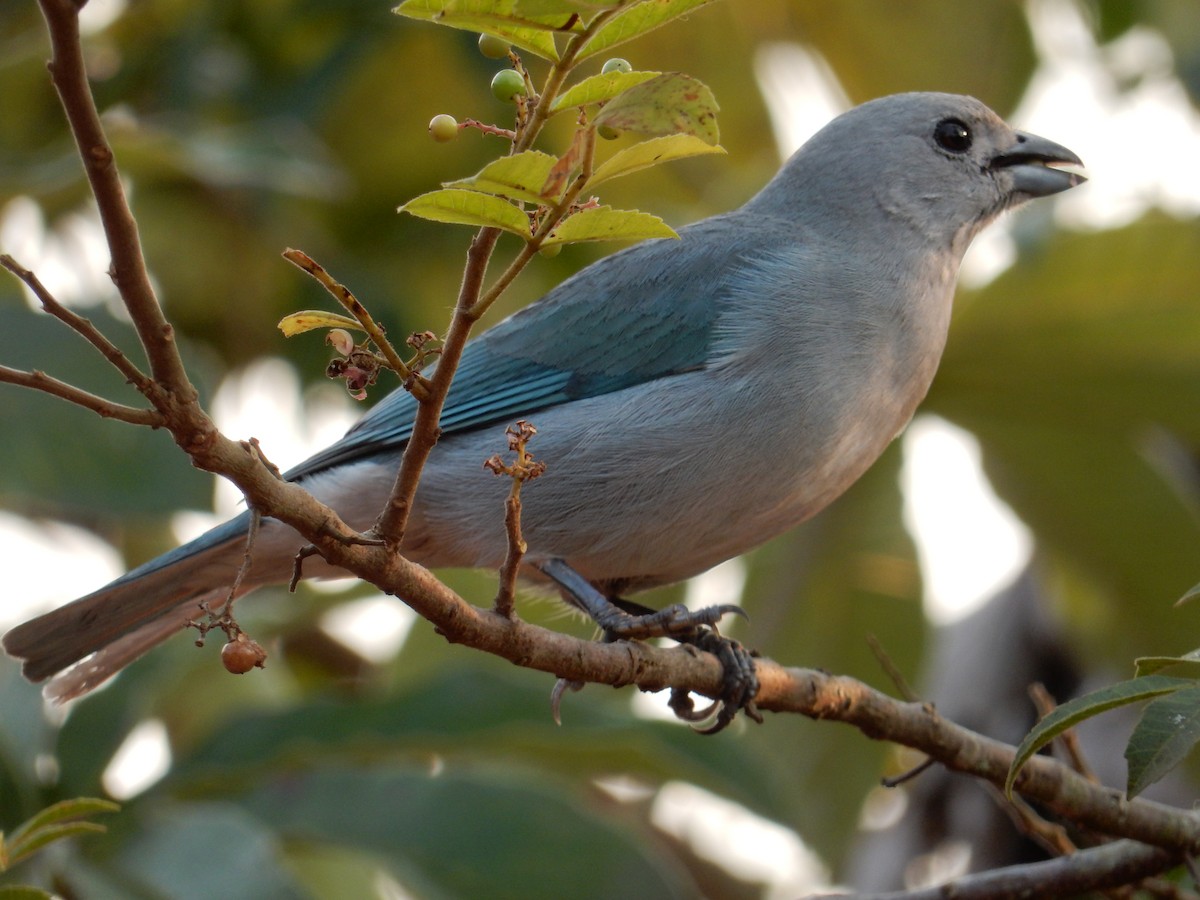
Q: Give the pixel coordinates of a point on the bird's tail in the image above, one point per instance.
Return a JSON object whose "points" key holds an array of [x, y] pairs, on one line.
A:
{"points": [[87, 641]]}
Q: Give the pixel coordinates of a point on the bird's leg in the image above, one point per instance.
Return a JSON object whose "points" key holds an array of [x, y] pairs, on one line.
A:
{"points": [[622, 619]]}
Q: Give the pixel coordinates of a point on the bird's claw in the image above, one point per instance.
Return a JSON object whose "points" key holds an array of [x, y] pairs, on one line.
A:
{"points": [[738, 690], [675, 621], [561, 686]]}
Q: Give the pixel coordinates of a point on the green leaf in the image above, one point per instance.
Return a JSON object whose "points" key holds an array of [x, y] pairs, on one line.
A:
{"points": [[520, 177], [599, 88], [669, 104], [461, 207], [637, 20], [312, 319], [55, 823], [75, 808], [650, 153], [603, 223], [1148, 665], [35, 840], [1166, 733], [1071, 713], [530, 24]]}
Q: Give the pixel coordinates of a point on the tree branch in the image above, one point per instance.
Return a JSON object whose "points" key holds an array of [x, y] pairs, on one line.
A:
{"points": [[1108, 866], [128, 269], [394, 518], [40, 381], [822, 696], [79, 324]]}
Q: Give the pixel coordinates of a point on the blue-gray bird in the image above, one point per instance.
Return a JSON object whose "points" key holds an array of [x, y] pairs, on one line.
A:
{"points": [[693, 398]]}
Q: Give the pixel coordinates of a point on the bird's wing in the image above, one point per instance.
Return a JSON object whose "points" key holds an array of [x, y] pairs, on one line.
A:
{"points": [[640, 314]]}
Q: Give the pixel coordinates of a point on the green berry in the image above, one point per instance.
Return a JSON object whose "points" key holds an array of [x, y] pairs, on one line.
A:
{"points": [[493, 47], [508, 85], [550, 250], [608, 132], [616, 64], [443, 128]]}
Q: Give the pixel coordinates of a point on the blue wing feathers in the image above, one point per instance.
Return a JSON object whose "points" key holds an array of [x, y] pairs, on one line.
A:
{"points": [[613, 325]]}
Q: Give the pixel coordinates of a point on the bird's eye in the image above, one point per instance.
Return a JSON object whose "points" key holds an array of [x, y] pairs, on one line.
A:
{"points": [[952, 135]]}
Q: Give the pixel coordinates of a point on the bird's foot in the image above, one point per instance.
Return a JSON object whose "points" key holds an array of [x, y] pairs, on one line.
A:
{"points": [[738, 689], [692, 628]]}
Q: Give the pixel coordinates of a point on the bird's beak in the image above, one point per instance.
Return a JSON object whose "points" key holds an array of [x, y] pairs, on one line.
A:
{"points": [[1030, 161]]}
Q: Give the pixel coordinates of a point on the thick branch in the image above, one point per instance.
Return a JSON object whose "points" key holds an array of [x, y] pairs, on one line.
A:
{"points": [[40, 381], [1049, 783]]}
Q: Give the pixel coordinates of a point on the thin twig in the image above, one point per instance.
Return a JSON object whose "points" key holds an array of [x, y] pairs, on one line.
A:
{"points": [[40, 381], [413, 381], [247, 559], [1095, 869], [525, 468], [80, 325], [507, 592], [551, 221], [1050, 836], [892, 670], [892, 781], [1069, 739]]}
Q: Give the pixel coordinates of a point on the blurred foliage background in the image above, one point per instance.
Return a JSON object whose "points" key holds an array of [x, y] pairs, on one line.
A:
{"points": [[244, 128]]}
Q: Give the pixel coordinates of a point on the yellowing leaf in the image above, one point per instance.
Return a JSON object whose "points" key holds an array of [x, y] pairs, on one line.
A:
{"points": [[668, 104], [460, 207], [651, 153], [310, 319], [599, 88], [603, 223], [635, 21], [520, 177], [567, 164]]}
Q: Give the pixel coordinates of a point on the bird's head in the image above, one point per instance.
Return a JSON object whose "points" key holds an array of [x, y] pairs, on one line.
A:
{"points": [[938, 165]]}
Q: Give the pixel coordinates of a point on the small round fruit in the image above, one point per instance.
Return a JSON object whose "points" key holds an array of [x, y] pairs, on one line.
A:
{"points": [[550, 250], [443, 128], [608, 132], [508, 85], [616, 64], [242, 654], [493, 47]]}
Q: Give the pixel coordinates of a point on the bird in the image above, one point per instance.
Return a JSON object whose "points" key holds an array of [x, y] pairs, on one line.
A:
{"points": [[693, 397]]}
